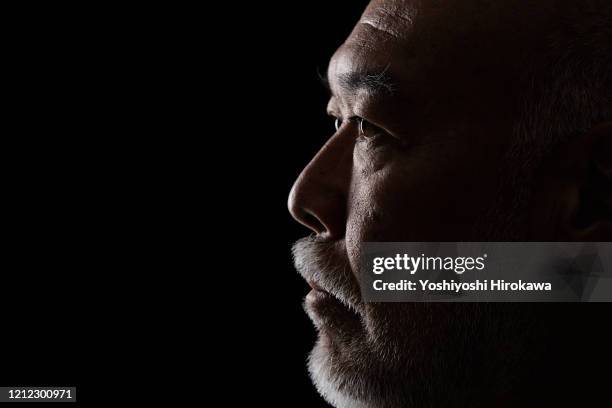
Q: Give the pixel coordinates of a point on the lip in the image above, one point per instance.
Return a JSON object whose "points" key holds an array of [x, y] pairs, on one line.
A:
{"points": [[321, 302], [317, 295], [324, 303], [329, 314], [318, 298], [316, 287]]}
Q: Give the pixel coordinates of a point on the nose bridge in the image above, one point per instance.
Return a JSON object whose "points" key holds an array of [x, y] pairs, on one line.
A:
{"points": [[318, 198]]}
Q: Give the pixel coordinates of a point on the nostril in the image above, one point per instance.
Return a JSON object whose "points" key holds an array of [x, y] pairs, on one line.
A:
{"points": [[312, 222], [303, 215]]}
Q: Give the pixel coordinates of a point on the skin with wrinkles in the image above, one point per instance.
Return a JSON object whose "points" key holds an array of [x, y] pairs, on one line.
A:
{"points": [[438, 162]]}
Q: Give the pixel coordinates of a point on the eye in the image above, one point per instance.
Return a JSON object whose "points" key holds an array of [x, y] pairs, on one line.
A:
{"points": [[337, 123], [366, 129]]}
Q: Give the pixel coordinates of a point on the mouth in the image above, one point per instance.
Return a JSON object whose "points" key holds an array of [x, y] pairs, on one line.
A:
{"points": [[319, 296], [328, 313], [318, 299], [315, 286], [333, 302]]}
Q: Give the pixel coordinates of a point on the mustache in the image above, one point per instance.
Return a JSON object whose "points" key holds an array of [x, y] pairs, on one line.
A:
{"points": [[325, 264]]}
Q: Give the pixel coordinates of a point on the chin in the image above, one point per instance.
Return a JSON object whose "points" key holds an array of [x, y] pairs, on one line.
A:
{"points": [[350, 372], [406, 353], [332, 385]]}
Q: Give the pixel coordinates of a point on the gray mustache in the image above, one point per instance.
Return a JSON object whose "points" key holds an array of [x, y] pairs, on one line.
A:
{"points": [[326, 264]]}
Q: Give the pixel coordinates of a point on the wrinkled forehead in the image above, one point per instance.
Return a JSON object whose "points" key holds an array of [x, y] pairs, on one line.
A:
{"points": [[451, 37], [381, 35], [396, 36], [391, 18]]}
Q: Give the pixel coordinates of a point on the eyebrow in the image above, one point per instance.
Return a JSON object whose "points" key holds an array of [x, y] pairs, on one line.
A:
{"points": [[374, 82]]}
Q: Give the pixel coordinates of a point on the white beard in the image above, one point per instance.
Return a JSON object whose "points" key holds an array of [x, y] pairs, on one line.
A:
{"points": [[319, 367]]}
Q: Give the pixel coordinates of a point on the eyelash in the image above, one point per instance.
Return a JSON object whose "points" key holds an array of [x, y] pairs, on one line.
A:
{"points": [[362, 125]]}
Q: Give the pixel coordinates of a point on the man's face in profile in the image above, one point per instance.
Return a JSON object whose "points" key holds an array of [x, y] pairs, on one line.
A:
{"points": [[427, 100]]}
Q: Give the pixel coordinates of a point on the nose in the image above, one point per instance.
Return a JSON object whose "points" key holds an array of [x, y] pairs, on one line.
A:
{"points": [[318, 198]]}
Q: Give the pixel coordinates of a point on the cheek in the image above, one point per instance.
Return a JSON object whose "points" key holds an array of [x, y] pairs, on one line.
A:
{"points": [[383, 202], [377, 208], [424, 196], [374, 180], [374, 213]]}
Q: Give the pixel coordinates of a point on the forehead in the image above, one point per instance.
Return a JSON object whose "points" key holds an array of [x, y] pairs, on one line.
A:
{"points": [[453, 45], [380, 38], [402, 38], [391, 17]]}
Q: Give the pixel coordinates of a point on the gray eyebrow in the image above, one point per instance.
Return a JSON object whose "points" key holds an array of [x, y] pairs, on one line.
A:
{"points": [[375, 82]]}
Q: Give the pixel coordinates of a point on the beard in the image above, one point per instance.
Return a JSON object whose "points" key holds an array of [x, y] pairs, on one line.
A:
{"points": [[389, 355]]}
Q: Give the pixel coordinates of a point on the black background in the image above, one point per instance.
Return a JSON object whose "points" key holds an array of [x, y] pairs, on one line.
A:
{"points": [[72, 300], [95, 97], [46, 249]]}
